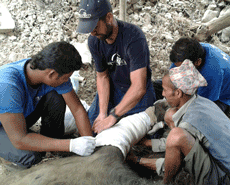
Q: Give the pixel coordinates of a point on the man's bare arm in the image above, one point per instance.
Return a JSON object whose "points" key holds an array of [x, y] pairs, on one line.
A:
{"points": [[79, 113], [135, 92], [14, 125], [103, 89]]}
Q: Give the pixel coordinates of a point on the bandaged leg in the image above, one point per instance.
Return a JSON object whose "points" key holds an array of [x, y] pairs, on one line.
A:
{"points": [[126, 133]]}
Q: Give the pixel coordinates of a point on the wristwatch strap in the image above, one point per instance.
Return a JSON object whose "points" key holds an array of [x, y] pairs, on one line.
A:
{"points": [[112, 112], [138, 159]]}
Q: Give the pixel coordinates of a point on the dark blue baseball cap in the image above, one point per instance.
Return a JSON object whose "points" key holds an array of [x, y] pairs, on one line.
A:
{"points": [[89, 13]]}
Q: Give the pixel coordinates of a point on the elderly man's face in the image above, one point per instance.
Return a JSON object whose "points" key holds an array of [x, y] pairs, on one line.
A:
{"points": [[169, 92]]}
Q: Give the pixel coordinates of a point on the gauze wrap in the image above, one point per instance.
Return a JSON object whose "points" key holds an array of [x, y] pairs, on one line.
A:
{"points": [[127, 132]]}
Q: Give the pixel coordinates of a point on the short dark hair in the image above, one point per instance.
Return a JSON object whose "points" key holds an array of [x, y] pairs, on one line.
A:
{"points": [[187, 48], [60, 56]]}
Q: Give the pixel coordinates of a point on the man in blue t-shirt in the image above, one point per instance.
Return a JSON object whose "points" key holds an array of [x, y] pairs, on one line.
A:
{"points": [[40, 87], [212, 63], [121, 55]]}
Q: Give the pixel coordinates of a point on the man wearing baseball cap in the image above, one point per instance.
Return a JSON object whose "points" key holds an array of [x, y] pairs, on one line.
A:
{"points": [[121, 56]]}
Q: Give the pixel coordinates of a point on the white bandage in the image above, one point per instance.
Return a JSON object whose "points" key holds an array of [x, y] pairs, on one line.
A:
{"points": [[127, 132]]}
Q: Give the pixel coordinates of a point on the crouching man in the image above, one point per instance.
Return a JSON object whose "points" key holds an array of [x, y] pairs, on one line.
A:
{"points": [[200, 140], [40, 87]]}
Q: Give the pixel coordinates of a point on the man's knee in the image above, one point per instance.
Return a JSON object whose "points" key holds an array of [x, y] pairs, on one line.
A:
{"points": [[25, 158], [56, 99], [180, 138], [30, 159], [177, 137]]}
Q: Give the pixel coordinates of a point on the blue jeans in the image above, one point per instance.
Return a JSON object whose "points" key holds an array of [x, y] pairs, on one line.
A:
{"points": [[51, 109], [116, 96]]}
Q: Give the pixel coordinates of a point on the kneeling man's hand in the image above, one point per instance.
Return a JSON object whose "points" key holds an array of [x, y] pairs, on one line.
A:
{"points": [[83, 146]]}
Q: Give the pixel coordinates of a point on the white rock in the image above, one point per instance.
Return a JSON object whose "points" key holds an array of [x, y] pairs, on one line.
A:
{"points": [[44, 28], [147, 8], [157, 70], [226, 10], [209, 15], [146, 28], [13, 57], [6, 22], [137, 7], [49, 13], [225, 36], [40, 19], [168, 15], [83, 51], [147, 19], [212, 7], [136, 17], [2, 36], [168, 37], [221, 4], [204, 2], [161, 62], [12, 38]]}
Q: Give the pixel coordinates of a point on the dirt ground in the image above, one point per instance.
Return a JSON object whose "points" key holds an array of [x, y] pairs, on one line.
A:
{"points": [[87, 88]]}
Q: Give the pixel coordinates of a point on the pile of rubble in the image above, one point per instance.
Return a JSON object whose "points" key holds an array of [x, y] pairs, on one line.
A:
{"points": [[40, 22]]}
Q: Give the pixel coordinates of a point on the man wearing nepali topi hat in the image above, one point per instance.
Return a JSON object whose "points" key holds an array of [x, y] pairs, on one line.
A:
{"points": [[200, 140]]}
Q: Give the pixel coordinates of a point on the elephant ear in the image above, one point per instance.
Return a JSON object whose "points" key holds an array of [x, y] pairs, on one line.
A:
{"points": [[161, 106]]}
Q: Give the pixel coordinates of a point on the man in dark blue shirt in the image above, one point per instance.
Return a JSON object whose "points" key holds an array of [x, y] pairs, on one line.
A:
{"points": [[121, 56]]}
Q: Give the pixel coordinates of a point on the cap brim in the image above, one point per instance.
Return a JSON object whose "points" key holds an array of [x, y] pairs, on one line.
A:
{"points": [[86, 25]]}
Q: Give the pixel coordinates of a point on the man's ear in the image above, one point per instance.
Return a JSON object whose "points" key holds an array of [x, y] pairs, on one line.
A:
{"points": [[179, 93], [51, 73], [109, 18], [198, 62]]}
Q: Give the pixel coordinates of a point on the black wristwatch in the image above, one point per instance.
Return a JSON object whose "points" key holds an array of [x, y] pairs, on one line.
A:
{"points": [[138, 159], [112, 112]]}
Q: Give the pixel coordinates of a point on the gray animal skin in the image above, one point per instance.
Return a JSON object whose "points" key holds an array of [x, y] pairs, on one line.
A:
{"points": [[105, 167]]}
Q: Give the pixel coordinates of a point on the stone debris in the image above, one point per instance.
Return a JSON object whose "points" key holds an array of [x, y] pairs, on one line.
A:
{"points": [[40, 22]]}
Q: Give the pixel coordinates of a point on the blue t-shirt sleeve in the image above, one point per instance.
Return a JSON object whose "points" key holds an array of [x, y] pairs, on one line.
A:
{"points": [[11, 99], [100, 62], [215, 81], [138, 53], [64, 88], [172, 66]]}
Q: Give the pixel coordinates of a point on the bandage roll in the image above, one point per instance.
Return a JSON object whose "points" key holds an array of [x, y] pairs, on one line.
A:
{"points": [[127, 132]]}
